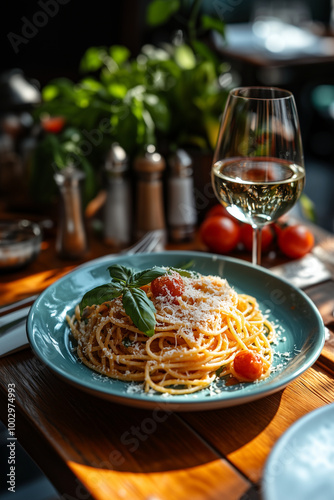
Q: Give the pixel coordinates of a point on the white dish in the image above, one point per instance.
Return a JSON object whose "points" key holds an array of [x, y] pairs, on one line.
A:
{"points": [[301, 464]]}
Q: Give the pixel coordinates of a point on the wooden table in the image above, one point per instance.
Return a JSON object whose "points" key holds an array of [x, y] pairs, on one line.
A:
{"points": [[90, 448]]}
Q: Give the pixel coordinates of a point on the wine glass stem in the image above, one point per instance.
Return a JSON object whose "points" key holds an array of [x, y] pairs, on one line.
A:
{"points": [[256, 249]]}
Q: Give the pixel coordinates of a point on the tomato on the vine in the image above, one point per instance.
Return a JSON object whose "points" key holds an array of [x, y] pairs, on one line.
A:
{"points": [[295, 241], [220, 234], [170, 285], [246, 237], [248, 365]]}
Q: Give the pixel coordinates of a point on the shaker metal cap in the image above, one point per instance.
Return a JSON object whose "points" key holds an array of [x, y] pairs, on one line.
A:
{"points": [[151, 161], [181, 163], [116, 160], [69, 175]]}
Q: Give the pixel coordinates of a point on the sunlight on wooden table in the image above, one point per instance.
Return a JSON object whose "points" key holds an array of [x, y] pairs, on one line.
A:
{"points": [[36, 283], [208, 481]]}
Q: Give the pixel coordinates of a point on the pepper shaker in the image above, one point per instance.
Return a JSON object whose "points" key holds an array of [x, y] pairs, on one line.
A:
{"points": [[71, 241], [149, 196], [181, 212], [118, 206]]}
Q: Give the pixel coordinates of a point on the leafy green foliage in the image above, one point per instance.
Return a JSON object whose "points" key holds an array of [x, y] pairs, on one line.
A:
{"points": [[140, 309], [210, 23], [101, 294], [143, 278], [166, 95], [184, 272], [126, 282], [308, 208], [160, 11]]}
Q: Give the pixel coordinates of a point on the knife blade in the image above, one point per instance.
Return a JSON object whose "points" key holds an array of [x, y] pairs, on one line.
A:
{"points": [[13, 336]]}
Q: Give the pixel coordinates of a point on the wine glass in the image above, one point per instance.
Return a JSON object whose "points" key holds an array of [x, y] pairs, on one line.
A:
{"points": [[258, 168]]}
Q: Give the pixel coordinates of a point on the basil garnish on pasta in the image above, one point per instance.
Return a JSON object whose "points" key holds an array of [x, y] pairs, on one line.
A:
{"points": [[126, 282], [175, 334]]}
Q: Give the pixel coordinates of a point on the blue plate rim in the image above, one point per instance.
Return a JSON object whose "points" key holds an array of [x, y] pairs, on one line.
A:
{"points": [[280, 444], [152, 401]]}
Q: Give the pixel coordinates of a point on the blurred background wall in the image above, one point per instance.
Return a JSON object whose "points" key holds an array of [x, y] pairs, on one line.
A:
{"points": [[47, 38]]}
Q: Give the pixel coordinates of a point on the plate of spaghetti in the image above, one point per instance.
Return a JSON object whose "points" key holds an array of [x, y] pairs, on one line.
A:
{"points": [[187, 330]]}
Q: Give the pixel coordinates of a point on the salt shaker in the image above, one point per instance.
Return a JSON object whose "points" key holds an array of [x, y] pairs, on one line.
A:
{"points": [[181, 212], [149, 196], [71, 241], [118, 206]]}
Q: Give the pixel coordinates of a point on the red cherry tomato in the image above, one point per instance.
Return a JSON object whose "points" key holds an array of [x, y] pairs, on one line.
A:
{"points": [[248, 365], [295, 241], [280, 224], [219, 209], [220, 234], [246, 237], [171, 286], [53, 124]]}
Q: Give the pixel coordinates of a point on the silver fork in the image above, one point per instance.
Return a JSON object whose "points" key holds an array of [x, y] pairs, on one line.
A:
{"points": [[13, 335]]}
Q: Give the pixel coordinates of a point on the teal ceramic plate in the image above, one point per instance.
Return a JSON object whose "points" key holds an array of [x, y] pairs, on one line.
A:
{"points": [[299, 324], [301, 464]]}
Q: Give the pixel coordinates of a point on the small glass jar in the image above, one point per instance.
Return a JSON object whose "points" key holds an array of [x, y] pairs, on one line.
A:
{"points": [[117, 216], [71, 241], [181, 211], [150, 215]]}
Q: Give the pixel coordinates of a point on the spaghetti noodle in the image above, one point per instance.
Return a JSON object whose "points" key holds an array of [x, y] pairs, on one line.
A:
{"points": [[196, 338]]}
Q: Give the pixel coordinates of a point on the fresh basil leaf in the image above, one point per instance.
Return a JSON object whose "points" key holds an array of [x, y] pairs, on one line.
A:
{"points": [[185, 273], [120, 273], [144, 277], [101, 294], [140, 309]]}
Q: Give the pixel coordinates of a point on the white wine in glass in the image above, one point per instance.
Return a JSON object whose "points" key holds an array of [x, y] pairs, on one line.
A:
{"points": [[258, 171]]}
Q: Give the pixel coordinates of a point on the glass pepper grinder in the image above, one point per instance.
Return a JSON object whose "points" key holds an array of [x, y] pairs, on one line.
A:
{"points": [[150, 214], [118, 206], [71, 241], [181, 211]]}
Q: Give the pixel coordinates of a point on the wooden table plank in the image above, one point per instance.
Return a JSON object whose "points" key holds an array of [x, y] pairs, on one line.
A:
{"points": [[246, 434], [323, 297], [208, 481], [114, 449], [119, 452]]}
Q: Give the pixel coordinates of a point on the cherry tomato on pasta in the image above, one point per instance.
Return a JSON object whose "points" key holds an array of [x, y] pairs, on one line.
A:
{"points": [[248, 365], [220, 234], [170, 285], [295, 241]]}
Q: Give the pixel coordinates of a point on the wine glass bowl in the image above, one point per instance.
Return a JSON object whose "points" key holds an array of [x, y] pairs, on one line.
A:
{"points": [[258, 170]]}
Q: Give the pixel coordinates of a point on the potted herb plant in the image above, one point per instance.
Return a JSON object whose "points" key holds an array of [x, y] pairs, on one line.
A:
{"points": [[170, 95]]}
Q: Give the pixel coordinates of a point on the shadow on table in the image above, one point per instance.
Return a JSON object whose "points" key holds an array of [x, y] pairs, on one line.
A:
{"points": [[242, 423], [30, 481], [131, 439]]}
